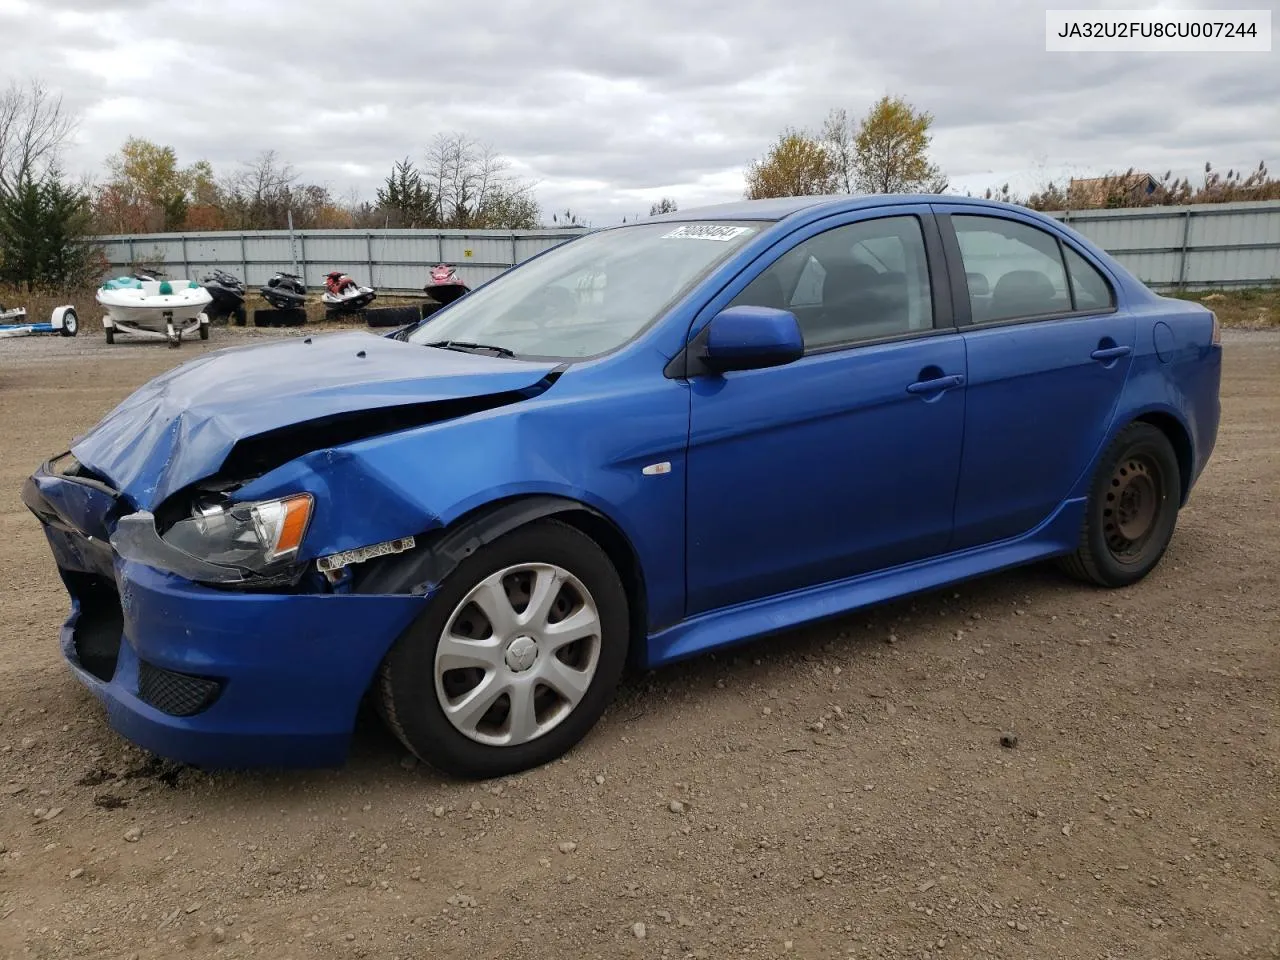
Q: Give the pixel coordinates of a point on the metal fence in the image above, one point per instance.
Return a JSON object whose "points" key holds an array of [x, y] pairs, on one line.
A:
{"points": [[1194, 247], [389, 260]]}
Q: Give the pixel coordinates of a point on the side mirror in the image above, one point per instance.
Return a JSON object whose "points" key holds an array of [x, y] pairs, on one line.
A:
{"points": [[749, 338]]}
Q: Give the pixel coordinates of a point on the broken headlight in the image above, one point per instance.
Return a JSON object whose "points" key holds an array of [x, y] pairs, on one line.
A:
{"points": [[251, 536]]}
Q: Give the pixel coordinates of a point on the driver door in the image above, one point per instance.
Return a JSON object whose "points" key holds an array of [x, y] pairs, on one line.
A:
{"points": [[846, 460]]}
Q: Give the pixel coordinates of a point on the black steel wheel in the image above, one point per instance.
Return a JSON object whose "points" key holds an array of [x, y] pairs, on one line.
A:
{"points": [[1132, 509]]}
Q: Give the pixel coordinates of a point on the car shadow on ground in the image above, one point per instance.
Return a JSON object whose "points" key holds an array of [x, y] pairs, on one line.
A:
{"points": [[376, 758]]}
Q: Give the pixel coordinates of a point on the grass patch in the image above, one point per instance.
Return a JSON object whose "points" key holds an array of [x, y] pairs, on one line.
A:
{"points": [[1254, 309], [40, 302]]}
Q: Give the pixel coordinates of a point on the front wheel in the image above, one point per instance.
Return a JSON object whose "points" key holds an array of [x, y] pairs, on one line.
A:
{"points": [[70, 324], [516, 658], [1132, 509]]}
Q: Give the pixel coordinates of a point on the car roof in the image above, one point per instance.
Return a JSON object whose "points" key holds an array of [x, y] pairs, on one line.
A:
{"points": [[779, 208]]}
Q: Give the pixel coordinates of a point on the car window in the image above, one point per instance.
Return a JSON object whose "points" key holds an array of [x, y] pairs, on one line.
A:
{"points": [[860, 281], [1092, 292], [591, 295], [808, 291], [1014, 270]]}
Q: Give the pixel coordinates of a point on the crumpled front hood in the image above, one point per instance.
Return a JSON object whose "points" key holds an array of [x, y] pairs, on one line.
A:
{"points": [[180, 427]]}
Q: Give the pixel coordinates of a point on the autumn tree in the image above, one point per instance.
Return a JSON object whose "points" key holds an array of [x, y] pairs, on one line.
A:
{"points": [[665, 205], [798, 164], [890, 150], [147, 189]]}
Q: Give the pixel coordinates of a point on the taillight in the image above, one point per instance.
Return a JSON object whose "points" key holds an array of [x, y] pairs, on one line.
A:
{"points": [[1216, 339]]}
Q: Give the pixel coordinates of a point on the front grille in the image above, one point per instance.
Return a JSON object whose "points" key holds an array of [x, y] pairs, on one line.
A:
{"points": [[177, 694]]}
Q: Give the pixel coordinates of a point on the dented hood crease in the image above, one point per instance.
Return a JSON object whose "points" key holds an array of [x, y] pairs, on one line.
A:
{"points": [[180, 427]]}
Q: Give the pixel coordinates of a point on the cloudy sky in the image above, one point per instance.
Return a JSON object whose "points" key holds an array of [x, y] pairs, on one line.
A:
{"points": [[610, 106]]}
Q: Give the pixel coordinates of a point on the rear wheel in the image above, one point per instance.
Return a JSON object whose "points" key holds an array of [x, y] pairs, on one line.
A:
{"points": [[70, 324], [516, 658], [1132, 509]]}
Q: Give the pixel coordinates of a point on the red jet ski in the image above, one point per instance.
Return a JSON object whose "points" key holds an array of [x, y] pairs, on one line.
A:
{"points": [[444, 286]]}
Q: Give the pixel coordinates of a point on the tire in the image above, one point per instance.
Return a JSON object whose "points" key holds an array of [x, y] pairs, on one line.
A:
{"points": [[1132, 509], [111, 334], [279, 318], [204, 331], [70, 324], [241, 316], [411, 692], [392, 316]]}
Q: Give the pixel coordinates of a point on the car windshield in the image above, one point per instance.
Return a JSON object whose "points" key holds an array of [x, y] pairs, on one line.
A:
{"points": [[589, 296]]}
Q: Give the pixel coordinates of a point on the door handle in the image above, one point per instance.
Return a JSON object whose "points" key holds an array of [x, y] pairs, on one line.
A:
{"points": [[937, 385], [1110, 353]]}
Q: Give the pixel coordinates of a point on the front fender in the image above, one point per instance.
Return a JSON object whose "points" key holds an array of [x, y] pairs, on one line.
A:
{"points": [[421, 481]]}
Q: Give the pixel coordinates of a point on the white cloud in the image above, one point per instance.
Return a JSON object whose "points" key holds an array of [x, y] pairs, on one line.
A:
{"points": [[609, 107]]}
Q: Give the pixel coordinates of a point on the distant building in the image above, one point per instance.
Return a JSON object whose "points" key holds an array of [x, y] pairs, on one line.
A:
{"points": [[1097, 191]]}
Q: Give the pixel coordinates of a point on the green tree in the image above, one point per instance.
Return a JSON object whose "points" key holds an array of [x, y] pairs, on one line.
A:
{"points": [[407, 200], [42, 225], [508, 207], [797, 165], [890, 150]]}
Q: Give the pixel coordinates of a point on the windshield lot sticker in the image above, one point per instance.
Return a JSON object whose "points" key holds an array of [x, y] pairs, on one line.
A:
{"points": [[705, 231]]}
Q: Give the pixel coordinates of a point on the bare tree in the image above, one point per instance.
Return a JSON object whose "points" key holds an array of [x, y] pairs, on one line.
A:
{"points": [[837, 136], [261, 193], [33, 127], [472, 186]]}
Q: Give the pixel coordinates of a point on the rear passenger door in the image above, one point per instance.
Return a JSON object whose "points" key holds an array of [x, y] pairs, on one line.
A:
{"points": [[1048, 353]]}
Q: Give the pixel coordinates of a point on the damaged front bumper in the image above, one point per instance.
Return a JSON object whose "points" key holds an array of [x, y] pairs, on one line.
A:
{"points": [[205, 675]]}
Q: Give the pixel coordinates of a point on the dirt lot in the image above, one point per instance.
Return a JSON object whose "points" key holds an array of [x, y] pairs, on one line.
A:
{"points": [[842, 791]]}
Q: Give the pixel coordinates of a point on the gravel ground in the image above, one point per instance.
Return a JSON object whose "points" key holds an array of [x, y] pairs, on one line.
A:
{"points": [[1022, 767]]}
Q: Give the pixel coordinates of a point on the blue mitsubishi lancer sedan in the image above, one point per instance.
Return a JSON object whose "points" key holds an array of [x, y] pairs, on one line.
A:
{"points": [[649, 442]]}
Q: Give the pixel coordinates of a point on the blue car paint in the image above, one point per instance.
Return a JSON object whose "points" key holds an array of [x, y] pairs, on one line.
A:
{"points": [[296, 667], [834, 418], [755, 333], [526, 449], [779, 508], [179, 427]]}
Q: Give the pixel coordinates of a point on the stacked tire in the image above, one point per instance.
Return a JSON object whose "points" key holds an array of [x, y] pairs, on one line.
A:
{"points": [[279, 318], [387, 317]]}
